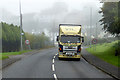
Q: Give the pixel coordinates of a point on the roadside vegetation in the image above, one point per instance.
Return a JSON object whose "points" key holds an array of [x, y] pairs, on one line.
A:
{"points": [[3, 57], [110, 17], [6, 55], [39, 41], [11, 41], [10, 38], [105, 49], [106, 52]]}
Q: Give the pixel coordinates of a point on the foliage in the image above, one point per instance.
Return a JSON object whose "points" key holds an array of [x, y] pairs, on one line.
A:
{"points": [[38, 41], [111, 19], [10, 38]]}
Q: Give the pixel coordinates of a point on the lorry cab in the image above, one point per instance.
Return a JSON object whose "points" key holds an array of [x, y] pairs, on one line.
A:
{"points": [[69, 41]]}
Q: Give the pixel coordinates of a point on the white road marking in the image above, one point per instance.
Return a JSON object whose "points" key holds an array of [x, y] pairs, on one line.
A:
{"points": [[0, 74], [81, 47], [53, 68], [84, 60], [55, 76], [53, 61]]}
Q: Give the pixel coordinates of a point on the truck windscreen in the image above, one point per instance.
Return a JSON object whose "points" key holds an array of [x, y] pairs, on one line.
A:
{"points": [[70, 39]]}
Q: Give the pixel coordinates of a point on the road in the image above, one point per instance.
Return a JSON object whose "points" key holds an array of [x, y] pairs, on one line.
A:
{"points": [[45, 64]]}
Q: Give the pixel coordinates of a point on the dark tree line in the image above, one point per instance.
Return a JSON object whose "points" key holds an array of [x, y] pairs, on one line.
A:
{"points": [[10, 37], [111, 20], [38, 41], [111, 17]]}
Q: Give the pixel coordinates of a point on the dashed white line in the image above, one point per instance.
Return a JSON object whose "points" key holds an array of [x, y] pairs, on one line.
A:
{"points": [[55, 76], [81, 47], [53, 61], [53, 67]]}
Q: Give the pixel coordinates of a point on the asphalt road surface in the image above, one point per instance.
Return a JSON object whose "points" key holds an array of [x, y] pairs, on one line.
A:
{"points": [[45, 64]]}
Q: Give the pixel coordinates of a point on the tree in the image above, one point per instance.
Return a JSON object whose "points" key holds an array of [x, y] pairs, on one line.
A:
{"points": [[10, 38], [38, 41], [111, 20]]}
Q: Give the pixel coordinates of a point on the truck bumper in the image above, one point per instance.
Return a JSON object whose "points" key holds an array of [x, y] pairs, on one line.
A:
{"points": [[64, 56]]}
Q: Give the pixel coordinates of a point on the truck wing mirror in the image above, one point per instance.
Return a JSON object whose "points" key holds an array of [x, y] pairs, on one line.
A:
{"points": [[57, 38], [82, 39]]}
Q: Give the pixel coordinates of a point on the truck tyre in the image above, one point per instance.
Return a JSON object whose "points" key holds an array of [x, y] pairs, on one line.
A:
{"points": [[78, 59], [59, 58]]}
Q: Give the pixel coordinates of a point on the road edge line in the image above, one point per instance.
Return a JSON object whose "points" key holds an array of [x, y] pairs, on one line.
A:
{"points": [[101, 69]]}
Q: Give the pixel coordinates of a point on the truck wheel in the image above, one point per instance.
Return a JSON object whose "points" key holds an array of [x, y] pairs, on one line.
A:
{"points": [[78, 59], [59, 58]]}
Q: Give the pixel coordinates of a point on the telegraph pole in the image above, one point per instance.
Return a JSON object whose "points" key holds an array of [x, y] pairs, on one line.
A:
{"points": [[96, 35], [20, 25], [90, 24]]}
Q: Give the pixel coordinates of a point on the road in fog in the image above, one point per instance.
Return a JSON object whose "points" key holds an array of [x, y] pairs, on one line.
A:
{"points": [[45, 64]]}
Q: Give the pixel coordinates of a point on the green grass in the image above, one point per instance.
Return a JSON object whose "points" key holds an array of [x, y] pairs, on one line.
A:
{"points": [[106, 52], [3, 57], [6, 54]]}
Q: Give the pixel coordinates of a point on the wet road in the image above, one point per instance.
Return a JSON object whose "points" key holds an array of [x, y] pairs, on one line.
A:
{"points": [[45, 64]]}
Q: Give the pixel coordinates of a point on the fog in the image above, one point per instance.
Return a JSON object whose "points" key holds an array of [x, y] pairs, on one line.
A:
{"points": [[45, 16]]}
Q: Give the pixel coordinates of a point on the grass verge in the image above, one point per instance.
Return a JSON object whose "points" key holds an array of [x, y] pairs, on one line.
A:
{"points": [[106, 52], [7, 54]]}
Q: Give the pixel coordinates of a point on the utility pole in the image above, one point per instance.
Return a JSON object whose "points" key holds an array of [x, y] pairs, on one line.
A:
{"points": [[20, 25], [1, 25], [87, 35], [96, 30], [54, 31], [96, 36], [90, 24]]}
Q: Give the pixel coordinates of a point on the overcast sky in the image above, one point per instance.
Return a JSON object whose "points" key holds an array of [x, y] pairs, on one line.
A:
{"points": [[31, 6], [78, 12]]}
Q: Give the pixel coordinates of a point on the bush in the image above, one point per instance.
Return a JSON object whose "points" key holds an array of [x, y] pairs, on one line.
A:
{"points": [[38, 41]]}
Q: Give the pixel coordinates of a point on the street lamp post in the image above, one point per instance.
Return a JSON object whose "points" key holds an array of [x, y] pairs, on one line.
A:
{"points": [[21, 34]]}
